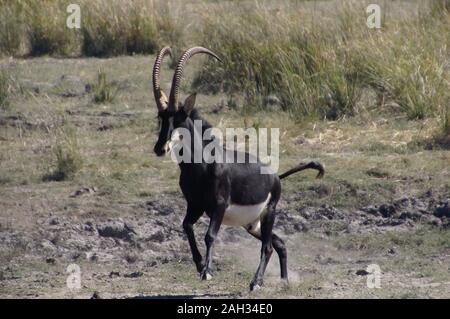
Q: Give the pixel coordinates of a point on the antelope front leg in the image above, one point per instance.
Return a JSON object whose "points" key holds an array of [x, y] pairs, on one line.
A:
{"points": [[192, 216], [214, 226]]}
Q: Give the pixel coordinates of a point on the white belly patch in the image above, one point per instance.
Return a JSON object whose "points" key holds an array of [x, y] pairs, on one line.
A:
{"points": [[237, 215]]}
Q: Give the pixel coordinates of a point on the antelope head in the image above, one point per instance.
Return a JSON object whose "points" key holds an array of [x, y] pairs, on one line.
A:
{"points": [[171, 112]]}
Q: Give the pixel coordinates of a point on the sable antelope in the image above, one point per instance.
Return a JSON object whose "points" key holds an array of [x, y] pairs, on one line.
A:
{"points": [[234, 194]]}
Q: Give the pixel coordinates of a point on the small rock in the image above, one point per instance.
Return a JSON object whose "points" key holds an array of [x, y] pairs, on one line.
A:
{"points": [[53, 221], [91, 256], [114, 274], [135, 274], [362, 272], [392, 251], [387, 210], [443, 210], [88, 226], [50, 261], [115, 229], [83, 191]]}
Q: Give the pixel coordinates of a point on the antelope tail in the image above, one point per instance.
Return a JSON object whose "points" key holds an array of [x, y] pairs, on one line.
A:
{"points": [[311, 165]]}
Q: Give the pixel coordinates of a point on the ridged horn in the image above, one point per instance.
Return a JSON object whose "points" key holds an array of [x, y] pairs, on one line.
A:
{"points": [[160, 97], [173, 99]]}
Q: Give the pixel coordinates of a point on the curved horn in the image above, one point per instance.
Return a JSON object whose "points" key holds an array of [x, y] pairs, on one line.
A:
{"points": [[173, 99], [160, 97]]}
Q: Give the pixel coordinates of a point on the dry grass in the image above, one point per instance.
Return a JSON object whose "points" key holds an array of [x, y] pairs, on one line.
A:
{"points": [[319, 59], [67, 154], [103, 90], [4, 89], [127, 27], [108, 28], [12, 29], [321, 68]]}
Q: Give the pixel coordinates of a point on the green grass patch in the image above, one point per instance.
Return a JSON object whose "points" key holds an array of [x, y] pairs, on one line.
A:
{"points": [[108, 28], [46, 29], [319, 68], [69, 160], [127, 27], [12, 28], [103, 90], [4, 90]]}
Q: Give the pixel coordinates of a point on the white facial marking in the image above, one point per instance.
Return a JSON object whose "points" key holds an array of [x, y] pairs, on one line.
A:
{"points": [[238, 215], [169, 139], [175, 138]]}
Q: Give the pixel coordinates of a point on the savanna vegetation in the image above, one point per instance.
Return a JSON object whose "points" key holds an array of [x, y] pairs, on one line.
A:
{"points": [[320, 63], [78, 123]]}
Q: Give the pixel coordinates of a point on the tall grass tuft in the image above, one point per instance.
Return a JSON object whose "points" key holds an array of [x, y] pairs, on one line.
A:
{"points": [[413, 74], [12, 28], [47, 31], [440, 7], [307, 66], [320, 67], [446, 120], [103, 90], [4, 90], [69, 160], [108, 28], [127, 27]]}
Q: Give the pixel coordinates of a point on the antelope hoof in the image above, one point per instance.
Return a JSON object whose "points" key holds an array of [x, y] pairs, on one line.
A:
{"points": [[205, 275], [255, 286], [200, 268]]}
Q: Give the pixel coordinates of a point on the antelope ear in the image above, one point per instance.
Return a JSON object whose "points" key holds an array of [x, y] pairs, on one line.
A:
{"points": [[189, 103], [163, 100]]}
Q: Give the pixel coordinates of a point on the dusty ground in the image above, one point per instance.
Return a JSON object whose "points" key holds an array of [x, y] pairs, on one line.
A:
{"points": [[384, 199]]}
